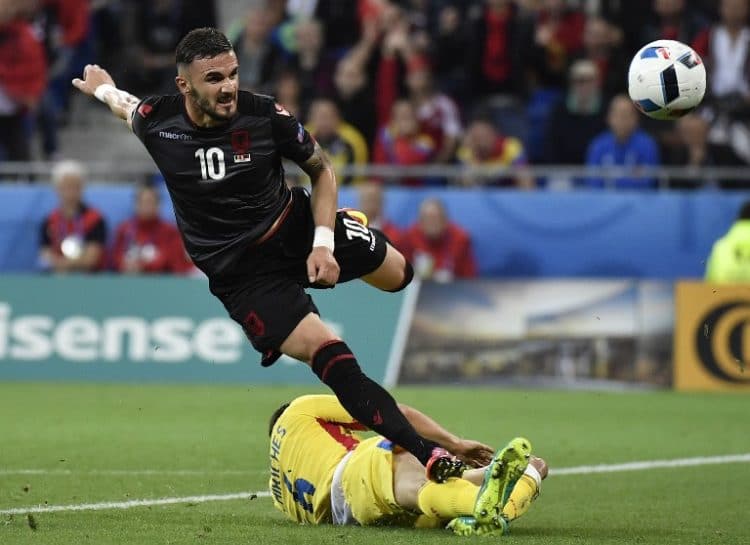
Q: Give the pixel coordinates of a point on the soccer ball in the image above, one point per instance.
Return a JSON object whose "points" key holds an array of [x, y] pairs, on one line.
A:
{"points": [[666, 79]]}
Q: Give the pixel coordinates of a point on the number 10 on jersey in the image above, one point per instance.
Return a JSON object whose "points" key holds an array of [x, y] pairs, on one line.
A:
{"points": [[212, 163]]}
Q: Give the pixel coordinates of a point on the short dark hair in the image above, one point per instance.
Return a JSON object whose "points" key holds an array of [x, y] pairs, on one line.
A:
{"points": [[744, 211], [201, 43], [275, 416]]}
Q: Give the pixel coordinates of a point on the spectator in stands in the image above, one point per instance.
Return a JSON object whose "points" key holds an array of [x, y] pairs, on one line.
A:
{"points": [[493, 56], [23, 73], [437, 113], [146, 243], [65, 25], [628, 18], [371, 203], [557, 36], [73, 236], [672, 20], [725, 49], [343, 143], [314, 66], [355, 97], [278, 13], [577, 118], [259, 58], [602, 46], [696, 151], [623, 145], [288, 93], [484, 146], [384, 13], [395, 51], [729, 261], [422, 17], [342, 20], [438, 248], [157, 26], [108, 36], [708, 8], [450, 46], [402, 141]]}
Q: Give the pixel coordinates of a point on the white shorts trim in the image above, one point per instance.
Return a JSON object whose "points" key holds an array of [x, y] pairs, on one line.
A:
{"points": [[340, 510]]}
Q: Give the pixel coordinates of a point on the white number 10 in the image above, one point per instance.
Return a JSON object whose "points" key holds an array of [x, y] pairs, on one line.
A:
{"points": [[212, 163]]}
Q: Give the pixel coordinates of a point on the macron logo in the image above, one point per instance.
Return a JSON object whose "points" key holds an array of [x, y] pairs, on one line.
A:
{"points": [[174, 135]]}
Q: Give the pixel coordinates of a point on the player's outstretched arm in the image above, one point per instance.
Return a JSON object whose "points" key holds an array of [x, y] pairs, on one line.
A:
{"points": [[98, 83], [473, 453], [321, 265]]}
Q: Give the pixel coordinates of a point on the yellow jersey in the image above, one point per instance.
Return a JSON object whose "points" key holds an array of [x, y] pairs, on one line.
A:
{"points": [[729, 261], [347, 147], [308, 441]]}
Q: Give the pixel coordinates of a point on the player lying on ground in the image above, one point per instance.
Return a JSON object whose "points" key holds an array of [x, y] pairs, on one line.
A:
{"points": [[260, 243], [323, 472]]}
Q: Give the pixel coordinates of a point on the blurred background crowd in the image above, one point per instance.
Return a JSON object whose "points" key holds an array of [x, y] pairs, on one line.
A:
{"points": [[405, 82], [397, 83]]}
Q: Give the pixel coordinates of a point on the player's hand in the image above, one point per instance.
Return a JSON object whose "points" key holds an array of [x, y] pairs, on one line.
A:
{"points": [[473, 453], [322, 267], [93, 76]]}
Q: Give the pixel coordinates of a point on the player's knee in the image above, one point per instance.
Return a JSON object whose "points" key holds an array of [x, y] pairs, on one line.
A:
{"points": [[307, 337], [408, 276], [540, 465], [333, 361], [408, 479]]}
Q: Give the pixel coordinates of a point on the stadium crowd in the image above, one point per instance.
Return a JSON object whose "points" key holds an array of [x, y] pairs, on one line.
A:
{"points": [[407, 82], [74, 237], [396, 82]]}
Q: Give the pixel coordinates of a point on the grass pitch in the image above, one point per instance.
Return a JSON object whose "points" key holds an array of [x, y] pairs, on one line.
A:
{"points": [[84, 444]]}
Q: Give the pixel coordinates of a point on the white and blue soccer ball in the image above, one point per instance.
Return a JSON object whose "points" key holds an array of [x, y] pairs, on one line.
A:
{"points": [[667, 79]]}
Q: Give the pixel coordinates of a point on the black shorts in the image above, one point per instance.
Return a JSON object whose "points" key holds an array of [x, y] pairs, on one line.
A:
{"points": [[267, 294]]}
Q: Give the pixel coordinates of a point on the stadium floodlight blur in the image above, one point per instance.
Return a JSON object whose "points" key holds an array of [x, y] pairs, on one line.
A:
{"points": [[555, 176]]}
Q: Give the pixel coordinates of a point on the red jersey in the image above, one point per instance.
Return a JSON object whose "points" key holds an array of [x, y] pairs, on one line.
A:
{"points": [[88, 226], [392, 149], [439, 118], [568, 32], [450, 256], [23, 66], [154, 244], [73, 18], [390, 230], [496, 54]]}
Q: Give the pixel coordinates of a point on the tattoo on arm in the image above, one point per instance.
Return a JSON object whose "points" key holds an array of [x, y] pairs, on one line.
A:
{"points": [[317, 164], [121, 103], [127, 100]]}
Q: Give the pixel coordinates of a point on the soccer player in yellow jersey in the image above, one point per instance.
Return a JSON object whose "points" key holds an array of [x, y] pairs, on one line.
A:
{"points": [[324, 472]]}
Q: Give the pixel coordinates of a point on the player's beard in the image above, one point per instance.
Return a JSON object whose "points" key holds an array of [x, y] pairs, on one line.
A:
{"points": [[204, 105]]}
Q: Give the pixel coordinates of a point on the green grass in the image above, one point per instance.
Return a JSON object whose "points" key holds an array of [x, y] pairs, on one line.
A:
{"points": [[83, 428]]}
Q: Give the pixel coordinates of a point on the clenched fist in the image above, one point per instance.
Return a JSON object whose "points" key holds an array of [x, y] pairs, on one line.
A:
{"points": [[322, 267]]}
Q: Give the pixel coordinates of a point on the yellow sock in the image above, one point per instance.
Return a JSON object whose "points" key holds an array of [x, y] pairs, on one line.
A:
{"points": [[525, 492], [448, 500], [425, 522]]}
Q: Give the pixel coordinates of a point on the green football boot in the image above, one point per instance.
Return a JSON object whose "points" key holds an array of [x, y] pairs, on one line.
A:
{"points": [[468, 526], [499, 479]]}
